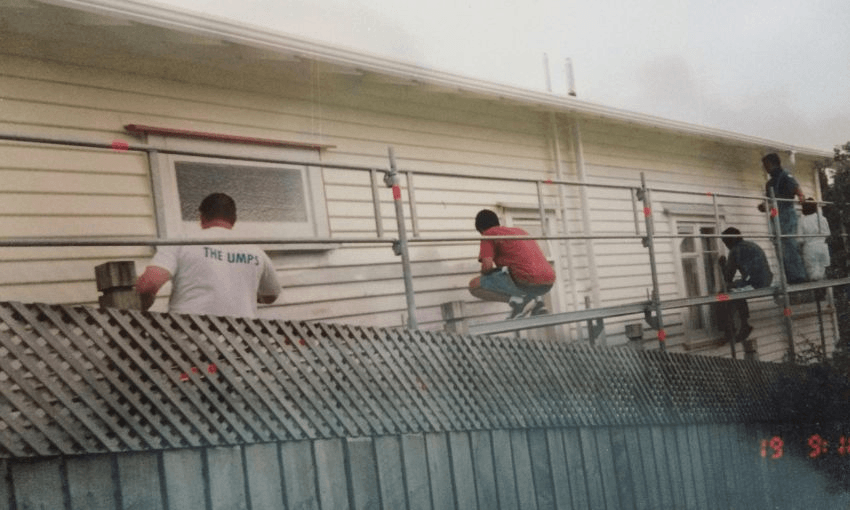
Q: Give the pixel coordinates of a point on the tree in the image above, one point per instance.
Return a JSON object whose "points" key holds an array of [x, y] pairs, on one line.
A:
{"points": [[835, 180]]}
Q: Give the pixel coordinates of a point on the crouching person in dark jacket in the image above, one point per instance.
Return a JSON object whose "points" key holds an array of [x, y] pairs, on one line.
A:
{"points": [[748, 259]]}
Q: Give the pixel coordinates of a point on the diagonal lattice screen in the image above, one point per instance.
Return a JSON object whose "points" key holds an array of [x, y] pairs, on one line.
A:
{"points": [[80, 380]]}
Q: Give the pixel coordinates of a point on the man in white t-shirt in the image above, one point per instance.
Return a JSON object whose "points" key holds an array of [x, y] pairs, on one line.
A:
{"points": [[227, 280]]}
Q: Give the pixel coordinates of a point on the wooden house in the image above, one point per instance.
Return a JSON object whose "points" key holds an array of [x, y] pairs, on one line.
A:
{"points": [[249, 99]]}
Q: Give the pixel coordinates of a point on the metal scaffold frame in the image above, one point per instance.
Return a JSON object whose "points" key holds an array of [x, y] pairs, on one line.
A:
{"points": [[653, 308]]}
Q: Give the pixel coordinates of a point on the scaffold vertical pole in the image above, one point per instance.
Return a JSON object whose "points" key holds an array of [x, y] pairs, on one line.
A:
{"points": [[542, 209], [773, 214], [650, 244], [722, 278], [411, 202], [634, 193], [376, 203], [401, 247]]}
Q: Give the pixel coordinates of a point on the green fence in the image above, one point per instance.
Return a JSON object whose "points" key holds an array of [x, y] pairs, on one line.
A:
{"points": [[111, 409]]}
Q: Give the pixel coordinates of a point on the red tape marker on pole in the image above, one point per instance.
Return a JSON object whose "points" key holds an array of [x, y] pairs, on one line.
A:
{"points": [[662, 335], [647, 211], [723, 297], [396, 192], [774, 212], [120, 145], [786, 312]]}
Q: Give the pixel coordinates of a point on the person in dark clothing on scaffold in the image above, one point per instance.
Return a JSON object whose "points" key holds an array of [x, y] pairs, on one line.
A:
{"points": [[748, 259], [785, 188]]}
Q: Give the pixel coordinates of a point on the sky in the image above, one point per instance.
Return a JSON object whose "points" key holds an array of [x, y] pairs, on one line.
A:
{"points": [[776, 69]]}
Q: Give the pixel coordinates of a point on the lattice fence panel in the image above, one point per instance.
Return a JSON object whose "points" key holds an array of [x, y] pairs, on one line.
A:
{"points": [[80, 380]]}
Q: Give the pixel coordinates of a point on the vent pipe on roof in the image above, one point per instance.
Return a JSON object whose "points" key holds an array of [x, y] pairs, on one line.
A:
{"points": [[562, 200], [581, 173], [571, 81], [547, 73]]}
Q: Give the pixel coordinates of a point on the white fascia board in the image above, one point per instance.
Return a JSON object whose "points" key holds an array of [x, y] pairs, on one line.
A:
{"points": [[183, 21]]}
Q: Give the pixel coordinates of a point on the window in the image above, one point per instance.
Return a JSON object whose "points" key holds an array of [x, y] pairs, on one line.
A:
{"points": [[700, 275], [276, 201]]}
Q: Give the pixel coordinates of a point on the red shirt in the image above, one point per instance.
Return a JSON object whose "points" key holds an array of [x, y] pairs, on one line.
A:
{"points": [[524, 258]]}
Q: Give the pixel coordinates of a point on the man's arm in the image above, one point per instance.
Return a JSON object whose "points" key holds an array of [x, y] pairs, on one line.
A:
{"points": [[269, 288], [149, 284], [728, 267], [487, 265]]}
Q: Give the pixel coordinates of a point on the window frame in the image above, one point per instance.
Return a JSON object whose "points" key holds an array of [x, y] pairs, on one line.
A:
{"points": [[170, 224], [699, 215], [698, 256]]}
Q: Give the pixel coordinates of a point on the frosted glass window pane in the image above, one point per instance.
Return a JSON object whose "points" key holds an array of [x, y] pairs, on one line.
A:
{"points": [[261, 194]]}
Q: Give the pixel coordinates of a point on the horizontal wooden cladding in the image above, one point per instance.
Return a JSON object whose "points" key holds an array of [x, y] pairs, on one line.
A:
{"points": [[73, 205], [604, 137], [37, 271], [72, 159], [288, 96], [51, 191], [252, 115], [82, 226], [22, 181]]}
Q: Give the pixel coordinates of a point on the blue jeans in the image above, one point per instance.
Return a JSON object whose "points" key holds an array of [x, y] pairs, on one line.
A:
{"points": [[795, 272], [502, 283]]}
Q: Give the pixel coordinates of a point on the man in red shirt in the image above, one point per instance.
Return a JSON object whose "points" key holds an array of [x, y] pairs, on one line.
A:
{"points": [[513, 271]]}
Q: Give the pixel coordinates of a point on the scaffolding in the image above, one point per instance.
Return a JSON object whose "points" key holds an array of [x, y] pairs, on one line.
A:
{"points": [[652, 308]]}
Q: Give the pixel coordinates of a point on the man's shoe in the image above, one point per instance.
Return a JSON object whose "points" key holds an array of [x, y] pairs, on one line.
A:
{"points": [[539, 309], [517, 308]]}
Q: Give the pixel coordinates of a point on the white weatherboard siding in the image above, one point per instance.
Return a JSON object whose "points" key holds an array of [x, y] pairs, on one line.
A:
{"points": [[56, 191], [356, 284]]}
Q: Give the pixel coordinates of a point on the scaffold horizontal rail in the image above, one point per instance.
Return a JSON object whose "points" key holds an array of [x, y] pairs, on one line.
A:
{"points": [[557, 319]]}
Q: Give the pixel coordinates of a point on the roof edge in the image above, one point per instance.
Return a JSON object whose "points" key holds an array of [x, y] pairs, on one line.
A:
{"points": [[165, 16]]}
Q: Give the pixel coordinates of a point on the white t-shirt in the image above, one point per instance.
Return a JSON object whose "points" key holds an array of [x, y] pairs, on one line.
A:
{"points": [[217, 279], [815, 250]]}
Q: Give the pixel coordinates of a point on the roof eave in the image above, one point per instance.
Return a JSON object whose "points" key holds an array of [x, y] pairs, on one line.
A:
{"points": [[183, 21]]}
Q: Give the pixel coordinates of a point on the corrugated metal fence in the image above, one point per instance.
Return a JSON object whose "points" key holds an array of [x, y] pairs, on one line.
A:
{"points": [[130, 410]]}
